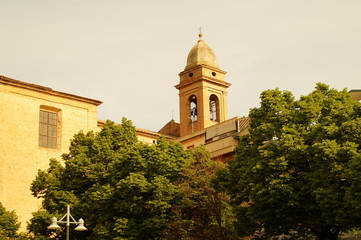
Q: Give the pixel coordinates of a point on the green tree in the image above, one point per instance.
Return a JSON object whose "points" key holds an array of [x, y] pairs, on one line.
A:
{"points": [[122, 188], [9, 224], [297, 174], [202, 212]]}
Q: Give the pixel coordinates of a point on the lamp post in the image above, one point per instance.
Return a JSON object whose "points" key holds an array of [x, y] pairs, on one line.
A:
{"points": [[69, 220]]}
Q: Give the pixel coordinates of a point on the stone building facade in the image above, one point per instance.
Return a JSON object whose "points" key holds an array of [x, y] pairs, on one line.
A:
{"points": [[37, 123]]}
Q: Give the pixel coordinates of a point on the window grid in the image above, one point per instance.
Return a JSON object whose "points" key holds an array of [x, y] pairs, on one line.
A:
{"points": [[48, 129]]}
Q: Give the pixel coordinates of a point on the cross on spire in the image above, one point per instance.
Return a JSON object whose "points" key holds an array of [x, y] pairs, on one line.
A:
{"points": [[200, 32]]}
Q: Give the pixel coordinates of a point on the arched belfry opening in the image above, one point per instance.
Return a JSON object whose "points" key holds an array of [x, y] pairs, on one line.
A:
{"points": [[214, 108], [193, 111]]}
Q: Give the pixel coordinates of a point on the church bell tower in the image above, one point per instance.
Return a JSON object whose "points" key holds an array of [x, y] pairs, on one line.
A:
{"points": [[202, 90]]}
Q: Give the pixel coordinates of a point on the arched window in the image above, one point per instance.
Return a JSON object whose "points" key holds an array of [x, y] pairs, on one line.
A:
{"points": [[213, 108], [193, 108]]}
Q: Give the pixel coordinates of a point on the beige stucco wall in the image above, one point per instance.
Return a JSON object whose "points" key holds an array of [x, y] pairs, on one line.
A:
{"points": [[222, 146], [220, 139], [192, 140], [355, 94], [20, 155], [146, 136]]}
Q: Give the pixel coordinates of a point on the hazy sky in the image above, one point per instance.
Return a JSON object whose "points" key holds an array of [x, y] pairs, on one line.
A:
{"points": [[128, 53]]}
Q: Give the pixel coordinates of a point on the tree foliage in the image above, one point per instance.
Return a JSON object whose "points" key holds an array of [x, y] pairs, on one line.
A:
{"points": [[122, 188], [9, 224], [297, 174], [201, 213]]}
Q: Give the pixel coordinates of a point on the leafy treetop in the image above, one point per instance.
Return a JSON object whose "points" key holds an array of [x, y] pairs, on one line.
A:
{"points": [[122, 188], [297, 174]]}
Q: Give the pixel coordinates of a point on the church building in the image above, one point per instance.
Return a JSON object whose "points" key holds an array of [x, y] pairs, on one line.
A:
{"points": [[203, 106], [37, 123]]}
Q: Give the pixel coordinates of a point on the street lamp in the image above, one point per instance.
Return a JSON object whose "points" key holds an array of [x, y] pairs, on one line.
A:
{"points": [[80, 227]]}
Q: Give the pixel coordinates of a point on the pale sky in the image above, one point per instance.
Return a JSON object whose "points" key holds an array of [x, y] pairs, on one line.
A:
{"points": [[128, 54]]}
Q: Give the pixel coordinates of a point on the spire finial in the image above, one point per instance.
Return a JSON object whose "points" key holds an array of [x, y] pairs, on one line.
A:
{"points": [[200, 33]]}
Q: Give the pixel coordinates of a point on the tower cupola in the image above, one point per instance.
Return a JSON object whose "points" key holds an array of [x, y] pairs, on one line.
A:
{"points": [[200, 54]]}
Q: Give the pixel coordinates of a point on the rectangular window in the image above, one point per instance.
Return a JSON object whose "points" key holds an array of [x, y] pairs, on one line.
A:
{"points": [[48, 129]]}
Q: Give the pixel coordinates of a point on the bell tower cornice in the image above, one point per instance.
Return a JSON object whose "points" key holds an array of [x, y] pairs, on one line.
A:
{"points": [[206, 79], [201, 65]]}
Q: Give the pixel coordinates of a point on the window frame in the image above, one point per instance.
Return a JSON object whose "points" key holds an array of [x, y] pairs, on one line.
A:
{"points": [[49, 127], [193, 100], [214, 98]]}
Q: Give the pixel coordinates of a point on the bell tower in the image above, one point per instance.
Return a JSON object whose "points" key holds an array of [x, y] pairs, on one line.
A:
{"points": [[202, 90]]}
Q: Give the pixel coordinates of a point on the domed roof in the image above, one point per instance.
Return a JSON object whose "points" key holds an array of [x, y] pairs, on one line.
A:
{"points": [[201, 53]]}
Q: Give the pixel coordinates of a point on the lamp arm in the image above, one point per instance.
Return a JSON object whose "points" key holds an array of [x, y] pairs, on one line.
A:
{"points": [[68, 212], [72, 218], [61, 219], [66, 222]]}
